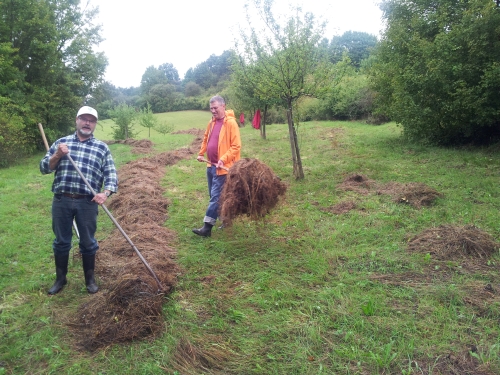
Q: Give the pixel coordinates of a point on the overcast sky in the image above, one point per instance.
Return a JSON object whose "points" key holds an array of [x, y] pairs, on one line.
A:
{"points": [[185, 33]]}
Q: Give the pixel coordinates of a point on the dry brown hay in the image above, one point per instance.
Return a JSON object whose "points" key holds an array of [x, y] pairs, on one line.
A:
{"points": [[448, 242], [130, 309], [129, 303], [358, 183], [341, 208], [171, 158], [251, 189], [199, 358], [414, 193], [147, 237], [193, 131]]}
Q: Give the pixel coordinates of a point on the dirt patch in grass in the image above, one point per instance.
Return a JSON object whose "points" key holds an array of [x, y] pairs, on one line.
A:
{"points": [[251, 189], [452, 364], [129, 303]]}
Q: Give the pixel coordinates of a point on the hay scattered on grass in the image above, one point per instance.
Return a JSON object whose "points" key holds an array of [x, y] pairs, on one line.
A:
{"points": [[251, 189], [448, 242], [341, 208], [461, 363], [199, 358], [414, 193], [358, 183]]}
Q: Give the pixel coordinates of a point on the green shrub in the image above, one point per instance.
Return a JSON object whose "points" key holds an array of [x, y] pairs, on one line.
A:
{"points": [[123, 116], [14, 142]]}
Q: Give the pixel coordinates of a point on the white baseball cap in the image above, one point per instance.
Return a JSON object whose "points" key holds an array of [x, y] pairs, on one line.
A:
{"points": [[86, 110]]}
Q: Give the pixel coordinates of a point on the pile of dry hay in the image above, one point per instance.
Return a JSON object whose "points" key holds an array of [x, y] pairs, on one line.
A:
{"points": [[251, 189], [448, 242], [129, 303]]}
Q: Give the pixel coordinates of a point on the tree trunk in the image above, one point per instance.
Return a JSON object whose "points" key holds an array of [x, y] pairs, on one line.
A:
{"points": [[297, 162], [263, 124]]}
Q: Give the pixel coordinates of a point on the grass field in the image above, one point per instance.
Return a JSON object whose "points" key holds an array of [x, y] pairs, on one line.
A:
{"points": [[305, 291]]}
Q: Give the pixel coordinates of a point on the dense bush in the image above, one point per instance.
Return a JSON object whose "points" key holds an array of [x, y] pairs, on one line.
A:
{"points": [[14, 142], [437, 70], [352, 99]]}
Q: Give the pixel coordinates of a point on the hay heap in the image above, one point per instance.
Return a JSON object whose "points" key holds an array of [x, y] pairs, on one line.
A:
{"points": [[251, 189], [448, 242]]}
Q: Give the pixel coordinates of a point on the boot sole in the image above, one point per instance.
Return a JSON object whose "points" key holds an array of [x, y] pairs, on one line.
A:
{"points": [[199, 233], [52, 292]]}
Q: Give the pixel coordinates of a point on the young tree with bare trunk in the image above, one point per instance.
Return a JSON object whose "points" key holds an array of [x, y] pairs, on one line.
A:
{"points": [[283, 63]]}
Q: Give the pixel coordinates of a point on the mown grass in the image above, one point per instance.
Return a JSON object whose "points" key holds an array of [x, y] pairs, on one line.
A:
{"points": [[298, 293]]}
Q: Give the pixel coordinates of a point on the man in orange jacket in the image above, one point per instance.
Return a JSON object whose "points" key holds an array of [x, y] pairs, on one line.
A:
{"points": [[222, 145]]}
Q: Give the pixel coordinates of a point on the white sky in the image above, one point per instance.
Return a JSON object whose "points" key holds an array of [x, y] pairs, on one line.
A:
{"points": [[142, 33]]}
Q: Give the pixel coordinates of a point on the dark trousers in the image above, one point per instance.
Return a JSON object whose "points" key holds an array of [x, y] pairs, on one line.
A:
{"points": [[84, 211], [215, 185]]}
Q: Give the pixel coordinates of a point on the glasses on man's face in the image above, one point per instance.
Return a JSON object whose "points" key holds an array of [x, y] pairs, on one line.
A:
{"points": [[83, 119]]}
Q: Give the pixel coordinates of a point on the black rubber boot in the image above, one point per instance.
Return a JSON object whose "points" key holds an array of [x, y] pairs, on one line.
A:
{"points": [[61, 272], [205, 231], [88, 262]]}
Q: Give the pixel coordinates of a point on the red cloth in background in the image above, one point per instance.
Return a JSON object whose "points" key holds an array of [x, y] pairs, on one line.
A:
{"points": [[242, 118], [256, 120]]}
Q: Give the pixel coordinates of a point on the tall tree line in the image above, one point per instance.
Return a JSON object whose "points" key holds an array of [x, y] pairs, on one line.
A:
{"points": [[47, 67]]}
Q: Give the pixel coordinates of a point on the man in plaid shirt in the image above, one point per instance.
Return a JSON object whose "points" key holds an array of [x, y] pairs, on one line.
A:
{"points": [[73, 200]]}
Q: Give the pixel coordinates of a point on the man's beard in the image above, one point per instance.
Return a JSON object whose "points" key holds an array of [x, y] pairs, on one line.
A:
{"points": [[85, 132]]}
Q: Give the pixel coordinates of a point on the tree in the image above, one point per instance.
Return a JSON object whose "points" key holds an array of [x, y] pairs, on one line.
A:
{"points": [[356, 44], [245, 95], [192, 89], [147, 119], [48, 45], [285, 63], [151, 77], [210, 72], [437, 69], [170, 72], [162, 97], [123, 115]]}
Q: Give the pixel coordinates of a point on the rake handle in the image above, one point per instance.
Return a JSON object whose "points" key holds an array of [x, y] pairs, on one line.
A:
{"points": [[40, 126], [206, 161], [116, 223]]}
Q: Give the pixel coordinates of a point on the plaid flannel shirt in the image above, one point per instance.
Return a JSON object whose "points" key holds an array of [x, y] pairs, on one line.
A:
{"points": [[94, 160]]}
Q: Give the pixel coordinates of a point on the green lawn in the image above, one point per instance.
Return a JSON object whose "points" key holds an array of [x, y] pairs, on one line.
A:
{"points": [[304, 291]]}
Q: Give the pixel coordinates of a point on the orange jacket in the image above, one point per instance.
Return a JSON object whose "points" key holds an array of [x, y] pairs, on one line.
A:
{"points": [[229, 141]]}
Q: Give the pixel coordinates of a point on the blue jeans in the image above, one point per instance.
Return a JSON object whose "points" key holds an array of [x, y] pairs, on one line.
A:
{"points": [[215, 185], [84, 211]]}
